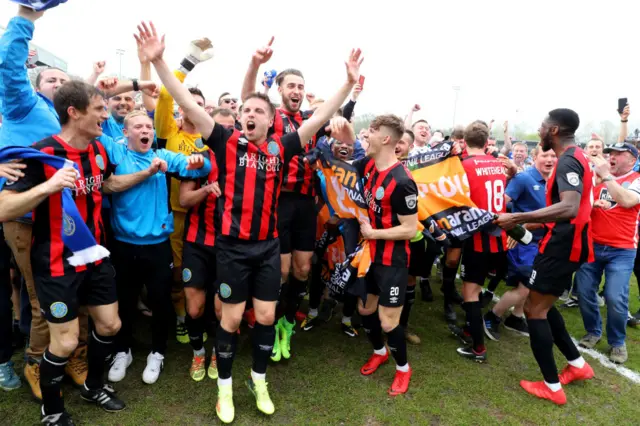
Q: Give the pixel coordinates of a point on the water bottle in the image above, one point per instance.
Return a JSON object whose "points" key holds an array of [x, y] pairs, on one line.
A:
{"points": [[270, 77], [519, 233]]}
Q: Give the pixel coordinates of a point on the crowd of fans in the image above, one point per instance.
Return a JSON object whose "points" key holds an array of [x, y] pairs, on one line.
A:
{"points": [[210, 218]]}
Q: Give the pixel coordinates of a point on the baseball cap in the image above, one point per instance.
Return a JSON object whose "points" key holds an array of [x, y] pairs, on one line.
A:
{"points": [[622, 147]]}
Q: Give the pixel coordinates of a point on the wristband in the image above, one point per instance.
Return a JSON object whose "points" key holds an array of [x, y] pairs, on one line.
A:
{"points": [[608, 178], [624, 121], [417, 237], [136, 87], [188, 64]]}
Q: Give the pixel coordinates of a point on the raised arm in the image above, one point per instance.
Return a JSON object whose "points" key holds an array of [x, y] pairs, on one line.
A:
{"points": [[261, 56], [329, 108], [506, 148], [112, 86], [624, 123], [98, 69], [153, 48], [148, 101], [17, 96], [408, 122]]}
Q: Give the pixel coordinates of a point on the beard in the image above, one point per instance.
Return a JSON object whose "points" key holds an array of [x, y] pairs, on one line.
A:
{"points": [[546, 143]]}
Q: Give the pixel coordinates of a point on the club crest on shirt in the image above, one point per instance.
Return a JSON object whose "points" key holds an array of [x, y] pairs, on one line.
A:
{"points": [[573, 179], [186, 275], [68, 225], [199, 144], [411, 201], [380, 193], [100, 162], [626, 185], [536, 187], [273, 148], [225, 291], [58, 309]]}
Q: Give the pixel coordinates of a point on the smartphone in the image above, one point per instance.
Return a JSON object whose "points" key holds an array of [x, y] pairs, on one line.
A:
{"points": [[361, 81], [622, 102]]}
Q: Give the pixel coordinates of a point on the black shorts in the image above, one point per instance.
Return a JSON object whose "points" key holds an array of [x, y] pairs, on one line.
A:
{"points": [[389, 283], [475, 266], [297, 220], [60, 297], [248, 269], [551, 275], [199, 266], [418, 259]]}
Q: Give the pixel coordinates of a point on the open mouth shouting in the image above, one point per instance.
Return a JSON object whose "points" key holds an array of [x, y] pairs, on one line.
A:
{"points": [[251, 126], [295, 102], [145, 141]]}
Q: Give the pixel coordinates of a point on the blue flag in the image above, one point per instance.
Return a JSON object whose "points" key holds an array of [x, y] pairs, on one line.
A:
{"points": [[39, 5]]}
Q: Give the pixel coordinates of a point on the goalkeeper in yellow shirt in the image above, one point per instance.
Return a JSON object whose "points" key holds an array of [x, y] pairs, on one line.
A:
{"points": [[182, 138]]}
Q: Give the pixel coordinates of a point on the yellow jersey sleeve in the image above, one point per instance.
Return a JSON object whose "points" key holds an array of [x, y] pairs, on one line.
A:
{"points": [[165, 123]]}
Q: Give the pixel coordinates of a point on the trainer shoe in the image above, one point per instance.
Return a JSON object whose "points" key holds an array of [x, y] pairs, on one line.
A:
{"points": [[212, 371], [276, 354], [119, 366], [632, 321], [516, 324], [541, 390], [224, 408], [491, 326], [468, 352], [571, 374], [77, 366], [9, 380], [411, 337], [155, 364], [571, 303], [589, 341], [310, 322], [196, 371], [618, 354], [32, 374], [60, 419], [373, 363], [400, 382], [601, 301], [426, 293], [182, 335], [461, 333], [349, 329], [564, 297], [263, 401], [286, 332], [104, 397]]}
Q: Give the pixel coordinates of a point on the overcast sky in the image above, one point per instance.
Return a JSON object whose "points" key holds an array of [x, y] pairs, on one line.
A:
{"points": [[513, 60]]}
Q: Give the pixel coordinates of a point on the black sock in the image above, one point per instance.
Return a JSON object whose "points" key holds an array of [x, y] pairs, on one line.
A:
{"points": [[474, 322], [51, 374], [350, 305], [263, 338], [316, 287], [493, 283], [100, 348], [195, 327], [409, 298], [560, 335], [372, 327], [448, 281], [398, 345], [296, 288], [542, 347], [226, 350]]}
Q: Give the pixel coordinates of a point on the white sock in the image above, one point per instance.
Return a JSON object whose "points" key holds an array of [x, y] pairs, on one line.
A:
{"points": [[346, 320], [555, 387], [201, 352], [313, 313], [380, 352], [577, 363], [256, 376], [180, 319], [224, 382], [403, 368]]}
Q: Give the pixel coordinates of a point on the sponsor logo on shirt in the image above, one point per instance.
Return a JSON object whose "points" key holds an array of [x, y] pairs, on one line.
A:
{"points": [[86, 185], [260, 162]]}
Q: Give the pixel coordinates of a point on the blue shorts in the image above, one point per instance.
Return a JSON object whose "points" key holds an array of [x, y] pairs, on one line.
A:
{"points": [[520, 263]]}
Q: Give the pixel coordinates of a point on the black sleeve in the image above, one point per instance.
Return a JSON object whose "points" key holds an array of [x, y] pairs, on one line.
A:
{"points": [[347, 110], [33, 176], [569, 174], [292, 145], [404, 199], [218, 139], [360, 165]]}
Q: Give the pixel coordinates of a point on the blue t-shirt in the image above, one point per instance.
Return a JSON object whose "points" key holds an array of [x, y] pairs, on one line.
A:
{"points": [[527, 191]]}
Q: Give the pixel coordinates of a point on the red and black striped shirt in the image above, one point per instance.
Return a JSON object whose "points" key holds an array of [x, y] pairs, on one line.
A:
{"points": [[48, 253], [250, 177], [202, 221], [389, 193], [571, 239], [487, 184], [298, 177]]}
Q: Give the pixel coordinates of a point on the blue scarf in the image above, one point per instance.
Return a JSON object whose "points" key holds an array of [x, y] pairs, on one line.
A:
{"points": [[75, 234]]}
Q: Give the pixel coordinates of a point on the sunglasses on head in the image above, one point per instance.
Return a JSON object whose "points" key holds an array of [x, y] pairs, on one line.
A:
{"points": [[229, 100]]}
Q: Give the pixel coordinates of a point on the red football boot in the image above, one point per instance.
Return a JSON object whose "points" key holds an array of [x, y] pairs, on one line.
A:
{"points": [[374, 362], [571, 374], [400, 383], [541, 390]]}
